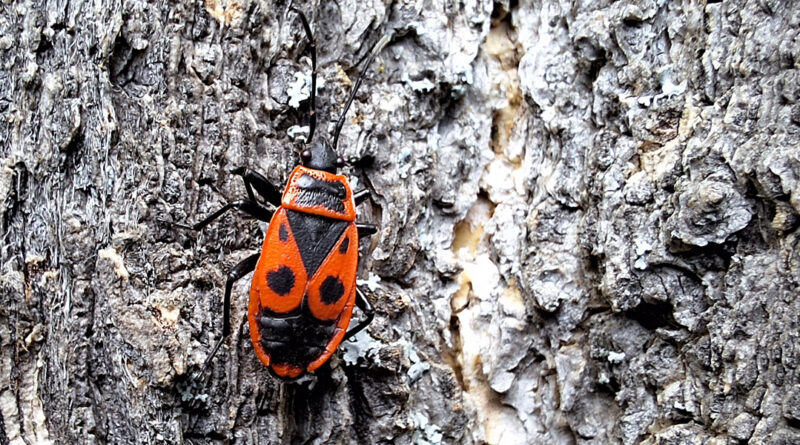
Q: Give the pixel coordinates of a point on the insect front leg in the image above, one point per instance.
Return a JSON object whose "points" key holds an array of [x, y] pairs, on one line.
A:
{"points": [[254, 180], [252, 208]]}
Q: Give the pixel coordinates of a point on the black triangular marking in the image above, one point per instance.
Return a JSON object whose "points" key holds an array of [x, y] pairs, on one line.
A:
{"points": [[315, 237]]}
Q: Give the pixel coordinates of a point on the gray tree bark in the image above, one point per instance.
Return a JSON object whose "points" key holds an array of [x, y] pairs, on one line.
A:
{"points": [[588, 218]]}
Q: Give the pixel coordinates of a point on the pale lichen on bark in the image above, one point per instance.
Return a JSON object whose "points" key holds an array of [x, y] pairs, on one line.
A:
{"points": [[588, 218]]}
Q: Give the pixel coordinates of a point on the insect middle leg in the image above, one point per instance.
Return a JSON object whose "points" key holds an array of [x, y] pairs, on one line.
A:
{"points": [[361, 196], [365, 230]]}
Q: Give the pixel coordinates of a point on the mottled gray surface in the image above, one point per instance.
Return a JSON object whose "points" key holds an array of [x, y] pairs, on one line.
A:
{"points": [[588, 213]]}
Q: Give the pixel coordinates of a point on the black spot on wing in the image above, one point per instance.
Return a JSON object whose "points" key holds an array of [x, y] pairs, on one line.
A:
{"points": [[315, 237], [331, 290], [345, 244], [283, 233], [281, 281]]}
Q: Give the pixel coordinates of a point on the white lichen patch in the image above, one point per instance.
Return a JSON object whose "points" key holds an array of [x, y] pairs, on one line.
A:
{"points": [[32, 409], [8, 407], [484, 278], [391, 102], [298, 132], [425, 432], [358, 346], [372, 282], [29, 73], [501, 422], [418, 366], [482, 324], [504, 180], [422, 86], [616, 357], [299, 89], [416, 370]]}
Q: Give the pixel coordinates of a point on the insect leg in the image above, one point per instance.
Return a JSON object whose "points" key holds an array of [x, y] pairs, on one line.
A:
{"points": [[243, 268], [361, 196], [367, 309], [312, 114], [254, 180], [252, 208], [365, 230]]}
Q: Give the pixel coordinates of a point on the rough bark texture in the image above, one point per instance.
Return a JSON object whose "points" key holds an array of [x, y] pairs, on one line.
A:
{"points": [[588, 213]]}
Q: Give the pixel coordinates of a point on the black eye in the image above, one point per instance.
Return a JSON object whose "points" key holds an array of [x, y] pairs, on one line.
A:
{"points": [[305, 155], [339, 162]]}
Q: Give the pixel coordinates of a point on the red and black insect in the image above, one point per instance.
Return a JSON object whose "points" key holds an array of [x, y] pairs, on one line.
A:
{"points": [[304, 286]]}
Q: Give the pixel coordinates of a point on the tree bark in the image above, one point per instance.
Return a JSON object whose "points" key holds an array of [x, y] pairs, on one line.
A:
{"points": [[588, 217]]}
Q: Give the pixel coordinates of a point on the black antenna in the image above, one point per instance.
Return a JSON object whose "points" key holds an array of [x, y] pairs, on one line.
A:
{"points": [[312, 115], [375, 50]]}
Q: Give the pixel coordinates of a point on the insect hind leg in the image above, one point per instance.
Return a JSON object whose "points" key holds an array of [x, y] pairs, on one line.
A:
{"points": [[240, 270], [199, 379], [366, 307]]}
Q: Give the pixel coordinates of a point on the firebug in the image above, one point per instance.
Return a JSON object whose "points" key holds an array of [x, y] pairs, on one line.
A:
{"points": [[303, 289]]}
